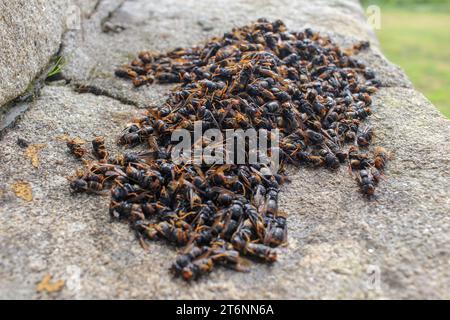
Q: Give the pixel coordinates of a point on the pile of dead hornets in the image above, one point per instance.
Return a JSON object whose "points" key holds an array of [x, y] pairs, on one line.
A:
{"points": [[259, 76]]}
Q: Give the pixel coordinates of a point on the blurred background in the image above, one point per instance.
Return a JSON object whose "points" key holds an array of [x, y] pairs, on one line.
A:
{"points": [[415, 34]]}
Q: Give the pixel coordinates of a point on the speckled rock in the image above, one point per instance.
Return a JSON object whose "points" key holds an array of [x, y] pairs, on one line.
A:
{"points": [[30, 33], [341, 245]]}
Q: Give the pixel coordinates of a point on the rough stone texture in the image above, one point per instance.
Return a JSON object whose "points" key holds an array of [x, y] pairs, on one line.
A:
{"points": [[87, 7], [30, 33], [336, 236]]}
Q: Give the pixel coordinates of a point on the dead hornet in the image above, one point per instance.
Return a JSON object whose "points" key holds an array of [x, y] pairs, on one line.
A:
{"points": [[76, 148], [366, 182], [146, 57], [135, 134], [130, 138], [98, 145], [360, 113], [241, 242], [224, 254], [358, 160], [227, 227], [338, 152], [330, 159], [80, 186], [260, 251], [313, 137], [131, 212], [364, 136], [197, 268], [381, 158], [271, 206], [259, 194], [254, 222], [142, 80], [315, 161], [377, 175], [126, 73], [122, 192], [147, 179], [168, 231], [189, 254], [219, 178], [277, 230]]}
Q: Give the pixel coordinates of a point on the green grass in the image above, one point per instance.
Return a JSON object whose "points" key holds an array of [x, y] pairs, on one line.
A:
{"points": [[59, 64], [417, 38]]}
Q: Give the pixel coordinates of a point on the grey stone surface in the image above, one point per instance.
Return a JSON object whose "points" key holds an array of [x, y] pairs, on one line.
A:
{"points": [[337, 238], [87, 7], [30, 33]]}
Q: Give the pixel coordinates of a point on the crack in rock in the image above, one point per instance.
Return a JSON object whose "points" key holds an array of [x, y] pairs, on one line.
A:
{"points": [[95, 90]]}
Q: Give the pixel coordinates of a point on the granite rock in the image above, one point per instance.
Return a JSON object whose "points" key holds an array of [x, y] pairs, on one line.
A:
{"points": [[30, 33], [341, 245]]}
